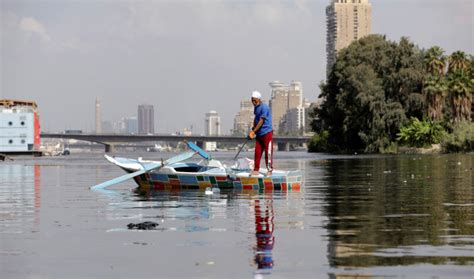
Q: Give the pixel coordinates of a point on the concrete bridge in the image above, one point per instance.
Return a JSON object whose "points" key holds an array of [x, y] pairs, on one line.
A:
{"points": [[109, 140]]}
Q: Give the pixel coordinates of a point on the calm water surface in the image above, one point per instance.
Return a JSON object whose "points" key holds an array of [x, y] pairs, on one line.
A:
{"points": [[356, 217]]}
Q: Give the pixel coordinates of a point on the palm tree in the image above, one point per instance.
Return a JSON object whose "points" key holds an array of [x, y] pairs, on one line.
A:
{"points": [[460, 85], [435, 61], [435, 90], [458, 61], [434, 87]]}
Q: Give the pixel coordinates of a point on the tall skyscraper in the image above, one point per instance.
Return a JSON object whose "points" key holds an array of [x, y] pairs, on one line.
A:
{"points": [[244, 118], [98, 119], [284, 97], [212, 127], [146, 119], [347, 20]]}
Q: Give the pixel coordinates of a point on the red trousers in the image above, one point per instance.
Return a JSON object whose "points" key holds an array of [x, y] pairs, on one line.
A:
{"points": [[264, 143]]}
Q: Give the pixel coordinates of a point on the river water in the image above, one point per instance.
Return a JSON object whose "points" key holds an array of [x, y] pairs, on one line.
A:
{"points": [[407, 216]]}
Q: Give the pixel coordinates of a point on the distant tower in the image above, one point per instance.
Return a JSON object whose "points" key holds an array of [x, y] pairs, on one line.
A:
{"points": [[347, 20], [146, 122], [212, 128], [98, 119]]}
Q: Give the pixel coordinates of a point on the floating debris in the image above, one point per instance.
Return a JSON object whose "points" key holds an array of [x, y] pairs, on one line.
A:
{"points": [[143, 226], [211, 191]]}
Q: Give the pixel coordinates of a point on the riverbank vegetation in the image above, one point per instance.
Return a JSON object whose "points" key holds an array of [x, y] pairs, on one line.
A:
{"points": [[382, 94]]}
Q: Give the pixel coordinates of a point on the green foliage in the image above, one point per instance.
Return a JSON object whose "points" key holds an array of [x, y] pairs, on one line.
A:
{"points": [[376, 85], [434, 89], [456, 84], [420, 133], [435, 61], [461, 139], [319, 142], [458, 62], [372, 89], [460, 86]]}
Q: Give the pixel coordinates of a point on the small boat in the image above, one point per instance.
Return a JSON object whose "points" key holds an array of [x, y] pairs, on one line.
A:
{"points": [[208, 173]]}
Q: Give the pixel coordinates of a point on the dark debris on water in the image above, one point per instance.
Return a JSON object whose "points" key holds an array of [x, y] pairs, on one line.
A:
{"points": [[143, 226]]}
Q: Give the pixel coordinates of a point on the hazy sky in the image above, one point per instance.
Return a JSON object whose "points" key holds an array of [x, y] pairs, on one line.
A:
{"points": [[186, 57]]}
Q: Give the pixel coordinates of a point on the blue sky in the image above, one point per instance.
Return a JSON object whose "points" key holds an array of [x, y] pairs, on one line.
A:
{"points": [[186, 57]]}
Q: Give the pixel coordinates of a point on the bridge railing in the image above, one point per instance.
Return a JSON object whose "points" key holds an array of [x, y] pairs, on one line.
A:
{"points": [[109, 139]]}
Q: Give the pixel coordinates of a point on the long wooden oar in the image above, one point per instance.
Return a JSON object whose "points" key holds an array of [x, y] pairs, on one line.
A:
{"points": [[148, 168]]}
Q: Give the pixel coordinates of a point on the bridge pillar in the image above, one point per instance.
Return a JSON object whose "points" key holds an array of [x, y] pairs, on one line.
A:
{"points": [[109, 148], [283, 146]]}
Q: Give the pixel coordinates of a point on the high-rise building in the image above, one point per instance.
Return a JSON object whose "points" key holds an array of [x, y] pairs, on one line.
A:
{"points": [[293, 122], [347, 20], [244, 118], [130, 125], [146, 119], [212, 127], [98, 119], [283, 98], [297, 120]]}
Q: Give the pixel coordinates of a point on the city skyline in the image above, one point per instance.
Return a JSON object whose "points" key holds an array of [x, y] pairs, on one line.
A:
{"points": [[181, 57]]}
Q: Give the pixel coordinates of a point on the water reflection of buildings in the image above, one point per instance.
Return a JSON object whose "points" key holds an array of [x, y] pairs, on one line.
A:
{"points": [[20, 198]]}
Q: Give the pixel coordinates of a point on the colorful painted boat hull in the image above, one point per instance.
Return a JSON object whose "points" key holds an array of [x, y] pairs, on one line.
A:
{"points": [[193, 176], [157, 181]]}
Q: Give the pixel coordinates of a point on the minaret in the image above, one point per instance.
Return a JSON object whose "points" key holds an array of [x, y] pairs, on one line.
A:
{"points": [[98, 121]]}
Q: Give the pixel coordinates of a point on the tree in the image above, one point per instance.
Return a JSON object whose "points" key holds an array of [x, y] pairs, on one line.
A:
{"points": [[374, 86], [458, 62], [435, 91], [435, 61], [460, 86], [434, 86], [460, 89]]}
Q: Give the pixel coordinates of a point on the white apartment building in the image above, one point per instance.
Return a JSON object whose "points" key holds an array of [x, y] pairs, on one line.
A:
{"points": [[212, 127]]}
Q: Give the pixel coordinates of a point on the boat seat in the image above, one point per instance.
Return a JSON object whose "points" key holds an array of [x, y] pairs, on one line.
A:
{"points": [[196, 168]]}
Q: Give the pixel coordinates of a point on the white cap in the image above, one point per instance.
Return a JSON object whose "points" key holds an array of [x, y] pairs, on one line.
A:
{"points": [[256, 94]]}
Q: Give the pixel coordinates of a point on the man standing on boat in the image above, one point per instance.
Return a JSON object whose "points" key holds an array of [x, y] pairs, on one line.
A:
{"points": [[262, 132]]}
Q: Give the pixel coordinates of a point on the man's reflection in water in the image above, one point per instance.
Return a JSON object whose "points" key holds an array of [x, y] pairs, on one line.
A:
{"points": [[264, 233]]}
